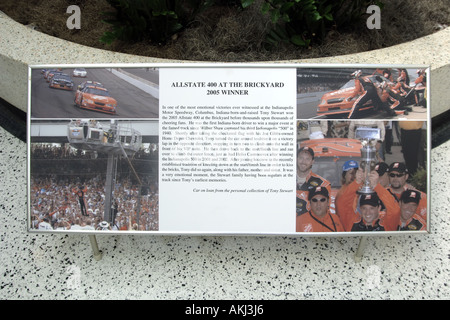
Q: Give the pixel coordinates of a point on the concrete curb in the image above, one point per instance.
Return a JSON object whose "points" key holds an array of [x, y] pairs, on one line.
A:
{"points": [[21, 46]]}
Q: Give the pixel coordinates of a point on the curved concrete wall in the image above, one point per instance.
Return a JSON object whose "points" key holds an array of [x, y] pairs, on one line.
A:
{"points": [[21, 46]]}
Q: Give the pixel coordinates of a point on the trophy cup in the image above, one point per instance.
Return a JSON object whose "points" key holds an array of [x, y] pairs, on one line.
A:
{"points": [[369, 138]]}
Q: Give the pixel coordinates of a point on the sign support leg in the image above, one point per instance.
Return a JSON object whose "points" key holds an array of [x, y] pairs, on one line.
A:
{"points": [[94, 245], [360, 251]]}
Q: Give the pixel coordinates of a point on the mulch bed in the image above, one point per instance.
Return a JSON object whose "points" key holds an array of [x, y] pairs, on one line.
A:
{"points": [[230, 35]]}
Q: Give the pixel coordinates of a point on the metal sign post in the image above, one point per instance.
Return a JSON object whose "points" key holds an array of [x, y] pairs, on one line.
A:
{"points": [[360, 251], [97, 253]]}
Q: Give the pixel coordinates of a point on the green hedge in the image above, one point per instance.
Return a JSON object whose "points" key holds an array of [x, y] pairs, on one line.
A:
{"points": [[156, 20], [303, 22]]}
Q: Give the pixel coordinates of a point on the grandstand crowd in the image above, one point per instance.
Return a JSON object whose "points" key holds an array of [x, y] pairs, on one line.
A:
{"points": [[318, 87], [58, 173], [56, 151]]}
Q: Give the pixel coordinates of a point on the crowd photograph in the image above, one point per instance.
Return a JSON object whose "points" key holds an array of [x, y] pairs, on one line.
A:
{"points": [[68, 187]]}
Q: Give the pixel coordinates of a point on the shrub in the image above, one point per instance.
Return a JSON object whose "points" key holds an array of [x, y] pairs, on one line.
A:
{"points": [[303, 22], [419, 180], [157, 20]]}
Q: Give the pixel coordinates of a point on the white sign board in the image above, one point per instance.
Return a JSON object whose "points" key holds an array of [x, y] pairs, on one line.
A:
{"points": [[245, 149]]}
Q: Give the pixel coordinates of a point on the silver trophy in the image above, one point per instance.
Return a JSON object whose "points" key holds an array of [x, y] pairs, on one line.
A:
{"points": [[369, 138]]}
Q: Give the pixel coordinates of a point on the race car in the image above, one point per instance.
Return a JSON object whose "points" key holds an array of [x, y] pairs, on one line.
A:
{"points": [[50, 74], [89, 83], [96, 98], [341, 101], [79, 72], [47, 71], [329, 156], [61, 81]]}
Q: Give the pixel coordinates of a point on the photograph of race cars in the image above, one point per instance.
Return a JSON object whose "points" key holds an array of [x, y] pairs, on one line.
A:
{"points": [[94, 175], [361, 175], [356, 93], [94, 93]]}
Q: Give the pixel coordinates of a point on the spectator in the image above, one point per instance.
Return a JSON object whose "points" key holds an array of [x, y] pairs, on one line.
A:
{"points": [[411, 133], [103, 226], [383, 172], [76, 225], [62, 225], [45, 225], [88, 225], [389, 138], [349, 170]]}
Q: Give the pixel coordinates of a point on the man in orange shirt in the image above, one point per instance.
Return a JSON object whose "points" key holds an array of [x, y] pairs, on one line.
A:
{"points": [[376, 212], [306, 179], [420, 84], [319, 218], [365, 90], [410, 220], [398, 175]]}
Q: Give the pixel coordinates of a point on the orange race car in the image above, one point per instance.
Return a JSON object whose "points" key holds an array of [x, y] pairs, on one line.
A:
{"points": [[61, 81], [342, 101], [96, 98], [329, 156]]}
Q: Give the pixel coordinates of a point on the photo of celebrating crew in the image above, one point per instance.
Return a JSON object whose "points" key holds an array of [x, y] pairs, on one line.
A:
{"points": [[361, 175], [64, 92], [94, 175], [360, 93]]}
